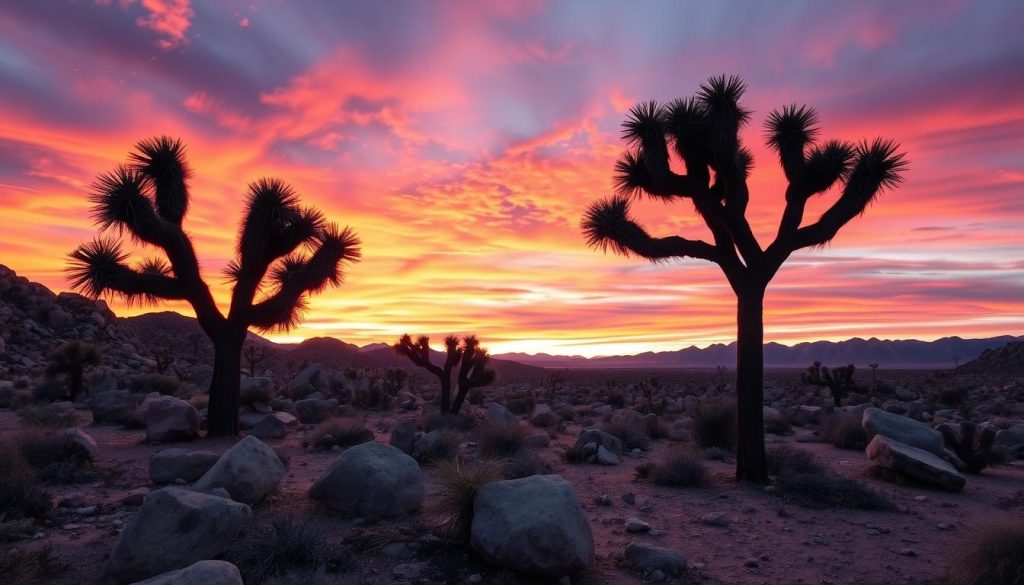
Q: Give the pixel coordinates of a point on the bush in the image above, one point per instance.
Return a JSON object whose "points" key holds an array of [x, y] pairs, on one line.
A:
{"points": [[500, 440], [778, 425], [458, 483], [991, 554], [632, 436], [575, 455], [146, 383], [338, 431], [12, 397], [49, 416], [20, 496], [714, 425], [278, 548], [844, 431], [953, 397], [50, 390], [525, 464], [679, 467], [55, 458], [456, 422], [30, 567], [802, 479]]}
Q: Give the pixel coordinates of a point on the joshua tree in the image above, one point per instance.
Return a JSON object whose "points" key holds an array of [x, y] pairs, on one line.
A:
{"points": [[703, 133], [284, 249], [71, 359], [466, 358], [253, 355], [839, 380]]}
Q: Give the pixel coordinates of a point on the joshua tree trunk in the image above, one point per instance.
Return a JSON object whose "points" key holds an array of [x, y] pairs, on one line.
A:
{"points": [[446, 395], [750, 455], [222, 417]]}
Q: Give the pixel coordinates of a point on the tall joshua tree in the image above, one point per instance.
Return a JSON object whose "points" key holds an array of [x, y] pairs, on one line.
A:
{"points": [[703, 133], [464, 357], [285, 253]]}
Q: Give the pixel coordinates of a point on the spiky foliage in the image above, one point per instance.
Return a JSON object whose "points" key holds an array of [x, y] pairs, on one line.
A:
{"points": [[838, 380], [703, 131], [464, 358], [458, 483], [286, 252], [971, 444], [71, 359]]}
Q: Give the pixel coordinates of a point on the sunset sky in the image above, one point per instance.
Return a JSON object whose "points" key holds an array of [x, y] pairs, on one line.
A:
{"points": [[463, 140]]}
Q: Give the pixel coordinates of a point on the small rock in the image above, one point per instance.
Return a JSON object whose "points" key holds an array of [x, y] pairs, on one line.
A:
{"points": [[637, 526], [751, 563], [629, 498], [714, 519], [908, 552]]}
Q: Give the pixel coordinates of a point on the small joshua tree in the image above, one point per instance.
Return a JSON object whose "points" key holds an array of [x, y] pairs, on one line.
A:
{"points": [[285, 249], [839, 380], [463, 357], [71, 359], [253, 356], [703, 132]]}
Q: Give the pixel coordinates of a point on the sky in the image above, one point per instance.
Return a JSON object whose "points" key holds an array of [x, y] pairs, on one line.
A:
{"points": [[463, 140]]}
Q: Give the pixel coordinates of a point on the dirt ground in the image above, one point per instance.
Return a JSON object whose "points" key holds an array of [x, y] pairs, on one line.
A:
{"points": [[765, 541]]}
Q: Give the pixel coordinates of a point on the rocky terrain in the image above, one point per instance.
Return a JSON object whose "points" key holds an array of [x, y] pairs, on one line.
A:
{"points": [[345, 473]]}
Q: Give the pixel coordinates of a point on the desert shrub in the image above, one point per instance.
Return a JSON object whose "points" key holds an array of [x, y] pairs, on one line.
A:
{"points": [[48, 415], [338, 431], [714, 425], [953, 397], [458, 483], [20, 494], [616, 399], [520, 405], [991, 554], [30, 567], [456, 422], [146, 383], [575, 455], [278, 548], [525, 464], [633, 436], [844, 430], [14, 397], [445, 448], [803, 480], [778, 425], [499, 440], [55, 458], [679, 467], [50, 390]]}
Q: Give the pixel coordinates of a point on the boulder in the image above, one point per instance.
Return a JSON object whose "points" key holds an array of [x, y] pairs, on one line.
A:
{"points": [[170, 465], [171, 419], [537, 440], [498, 414], [249, 471], [534, 524], [600, 439], [543, 417], [648, 559], [258, 389], [271, 427], [908, 431], [200, 573], [913, 462], [248, 419], [305, 382], [114, 407], [315, 410], [172, 529], [81, 443], [403, 436], [1010, 442], [371, 480], [606, 457]]}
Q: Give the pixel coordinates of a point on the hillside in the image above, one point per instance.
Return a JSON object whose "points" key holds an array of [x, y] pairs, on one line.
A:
{"points": [[1007, 360]]}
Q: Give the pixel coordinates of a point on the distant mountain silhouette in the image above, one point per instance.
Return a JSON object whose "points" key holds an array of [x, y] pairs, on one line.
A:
{"points": [[902, 353], [1005, 360]]}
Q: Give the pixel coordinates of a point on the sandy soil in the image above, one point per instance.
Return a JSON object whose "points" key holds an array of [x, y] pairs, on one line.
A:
{"points": [[766, 541]]}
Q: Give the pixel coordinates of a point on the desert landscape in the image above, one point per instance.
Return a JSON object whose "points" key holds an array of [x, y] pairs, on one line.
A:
{"points": [[489, 293]]}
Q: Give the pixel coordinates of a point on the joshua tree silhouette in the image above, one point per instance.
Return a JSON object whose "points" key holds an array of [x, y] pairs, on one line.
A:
{"points": [[71, 358], [464, 357], [703, 131], [148, 198], [838, 380]]}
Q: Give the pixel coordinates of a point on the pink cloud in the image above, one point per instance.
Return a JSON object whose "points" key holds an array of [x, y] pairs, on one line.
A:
{"points": [[169, 18]]}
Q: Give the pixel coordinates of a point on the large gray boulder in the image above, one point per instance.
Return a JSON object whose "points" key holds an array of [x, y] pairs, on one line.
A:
{"points": [[305, 382], [908, 431], [1010, 442], [403, 436], [114, 407], [271, 427], [249, 471], [170, 419], [913, 462], [371, 480], [600, 439], [170, 465], [315, 410], [534, 524], [200, 573], [258, 389], [647, 559], [174, 528]]}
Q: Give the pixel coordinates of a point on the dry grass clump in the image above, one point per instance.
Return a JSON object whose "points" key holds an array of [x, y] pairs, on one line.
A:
{"points": [[339, 431], [802, 479], [30, 567], [991, 554], [458, 482], [499, 440], [20, 494], [50, 416], [680, 467], [714, 425], [845, 431], [280, 548]]}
